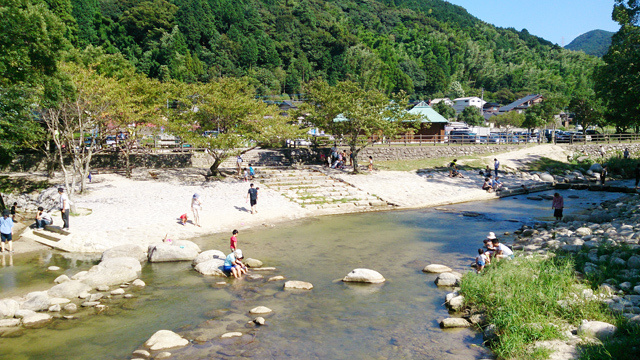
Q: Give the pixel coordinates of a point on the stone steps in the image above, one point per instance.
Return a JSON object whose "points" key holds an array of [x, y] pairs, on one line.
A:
{"points": [[46, 238]]}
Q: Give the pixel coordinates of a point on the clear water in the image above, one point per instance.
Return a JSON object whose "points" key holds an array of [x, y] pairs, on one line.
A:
{"points": [[398, 319]]}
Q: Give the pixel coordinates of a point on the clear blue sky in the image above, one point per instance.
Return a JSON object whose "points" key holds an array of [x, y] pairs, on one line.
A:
{"points": [[549, 19]]}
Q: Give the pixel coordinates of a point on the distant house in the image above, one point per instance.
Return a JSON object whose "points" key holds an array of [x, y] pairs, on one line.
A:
{"points": [[461, 103], [523, 104], [489, 110], [432, 122], [447, 101]]}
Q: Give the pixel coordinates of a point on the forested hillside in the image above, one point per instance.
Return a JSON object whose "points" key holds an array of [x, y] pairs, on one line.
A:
{"points": [[420, 46], [595, 42]]}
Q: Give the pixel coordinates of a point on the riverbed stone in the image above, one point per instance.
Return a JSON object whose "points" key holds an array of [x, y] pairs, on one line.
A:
{"points": [[259, 320], [454, 323], [90, 303], [79, 275], [36, 301], [634, 262], [276, 278], [53, 268], [69, 289], [9, 322], [208, 255], [62, 278], [253, 263], [55, 308], [162, 355], [24, 313], [598, 329], [436, 269], [364, 276], [456, 303], [165, 339], [127, 250], [529, 232], [260, 310], [295, 284], [211, 267], [583, 231], [141, 353], [36, 320], [138, 283], [117, 292], [447, 279], [231, 334], [113, 271], [179, 250], [71, 308], [8, 308], [58, 301]]}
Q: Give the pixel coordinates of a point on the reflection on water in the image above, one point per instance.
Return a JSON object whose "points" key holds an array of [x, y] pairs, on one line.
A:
{"points": [[398, 319]]}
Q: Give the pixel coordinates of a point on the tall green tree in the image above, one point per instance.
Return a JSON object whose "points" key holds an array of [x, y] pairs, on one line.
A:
{"points": [[31, 41], [618, 81], [472, 116], [355, 114], [507, 120], [447, 111]]}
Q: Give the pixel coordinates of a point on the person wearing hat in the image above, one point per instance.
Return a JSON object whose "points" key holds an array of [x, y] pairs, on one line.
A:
{"points": [[65, 208], [234, 265], [489, 245], [6, 229]]}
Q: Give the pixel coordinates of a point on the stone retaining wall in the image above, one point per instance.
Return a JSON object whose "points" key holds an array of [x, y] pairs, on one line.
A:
{"points": [[611, 149], [386, 153]]}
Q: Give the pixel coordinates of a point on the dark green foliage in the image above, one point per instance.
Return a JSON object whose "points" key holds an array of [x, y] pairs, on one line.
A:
{"points": [[595, 42], [416, 46], [472, 116], [447, 111]]}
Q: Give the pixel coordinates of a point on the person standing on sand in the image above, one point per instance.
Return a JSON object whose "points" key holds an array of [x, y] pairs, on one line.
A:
{"points": [[234, 240], [239, 163], [196, 206], [6, 230], [557, 205], [496, 165], [602, 152], [252, 197], [65, 208], [370, 163]]}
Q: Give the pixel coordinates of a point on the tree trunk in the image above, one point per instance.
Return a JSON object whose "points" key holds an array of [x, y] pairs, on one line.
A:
{"points": [[127, 157], [2, 206], [214, 168], [355, 152]]}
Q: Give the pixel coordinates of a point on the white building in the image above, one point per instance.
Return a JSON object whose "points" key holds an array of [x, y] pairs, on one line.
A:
{"points": [[447, 101], [461, 103]]}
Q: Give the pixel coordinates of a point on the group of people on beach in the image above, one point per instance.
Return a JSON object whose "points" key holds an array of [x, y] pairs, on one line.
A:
{"points": [[339, 159], [493, 249], [196, 205]]}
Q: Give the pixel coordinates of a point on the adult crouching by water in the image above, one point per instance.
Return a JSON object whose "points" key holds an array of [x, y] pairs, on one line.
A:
{"points": [[233, 264]]}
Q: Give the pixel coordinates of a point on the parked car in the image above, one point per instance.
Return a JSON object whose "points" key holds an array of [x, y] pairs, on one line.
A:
{"points": [[490, 139], [458, 136], [111, 140]]}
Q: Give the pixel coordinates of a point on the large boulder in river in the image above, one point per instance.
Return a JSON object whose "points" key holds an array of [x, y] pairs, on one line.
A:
{"points": [[70, 289], [596, 168], [454, 323], [253, 263], [211, 267], [546, 177], [448, 279], [127, 250], [36, 301], [179, 250], [364, 276], [436, 269], [300, 285], [8, 308], [36, 320], [165, 339], [208, 255], [112, 272], [583, 231]]}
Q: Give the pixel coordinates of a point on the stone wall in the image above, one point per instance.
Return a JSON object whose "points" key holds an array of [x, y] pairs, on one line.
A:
{"points": [[36, 162], [385, 153], [611, 149]]}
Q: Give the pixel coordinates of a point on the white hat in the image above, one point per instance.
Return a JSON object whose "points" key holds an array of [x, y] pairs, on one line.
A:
{"points": [[491, 236], [238, 254]]}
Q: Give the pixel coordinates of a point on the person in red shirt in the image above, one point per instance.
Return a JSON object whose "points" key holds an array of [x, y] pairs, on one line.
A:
{"points": [[234, 240]]}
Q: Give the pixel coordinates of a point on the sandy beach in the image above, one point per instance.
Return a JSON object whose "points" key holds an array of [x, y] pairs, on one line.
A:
{"points": [[142, 210]]}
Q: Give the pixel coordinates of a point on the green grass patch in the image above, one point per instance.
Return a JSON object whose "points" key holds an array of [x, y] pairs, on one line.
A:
{"points": [[529, 300], [12, 185], [429, 163], [555, 167]]}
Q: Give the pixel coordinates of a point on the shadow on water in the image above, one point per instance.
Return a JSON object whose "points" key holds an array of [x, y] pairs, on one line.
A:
{"points": [[398, 319]]}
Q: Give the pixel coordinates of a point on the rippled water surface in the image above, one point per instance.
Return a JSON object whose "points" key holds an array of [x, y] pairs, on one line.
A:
{"points": [[396, 320]]}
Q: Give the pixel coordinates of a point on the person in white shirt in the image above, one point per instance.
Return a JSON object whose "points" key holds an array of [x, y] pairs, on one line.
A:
{"points": [[502, 251], [65, 208], [42, 218]]}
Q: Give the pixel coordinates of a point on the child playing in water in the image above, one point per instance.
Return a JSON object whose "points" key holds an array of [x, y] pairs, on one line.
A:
{"points": [[481, 260], [234, 240], [183, 219]]}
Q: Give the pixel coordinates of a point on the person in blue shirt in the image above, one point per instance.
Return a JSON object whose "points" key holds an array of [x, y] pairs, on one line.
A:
{"points": [[496, 165], [233, 264], [6, 229], [252, 172], [496, 184]]}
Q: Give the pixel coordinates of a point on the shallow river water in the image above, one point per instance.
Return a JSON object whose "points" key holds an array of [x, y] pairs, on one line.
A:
{"points": [[396, 320]]}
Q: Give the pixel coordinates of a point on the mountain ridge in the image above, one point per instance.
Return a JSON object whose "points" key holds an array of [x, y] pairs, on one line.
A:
{"points": [[594, 42]]}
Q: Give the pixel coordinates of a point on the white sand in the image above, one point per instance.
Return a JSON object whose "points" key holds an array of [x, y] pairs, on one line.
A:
{"points": [[125, 211]]}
